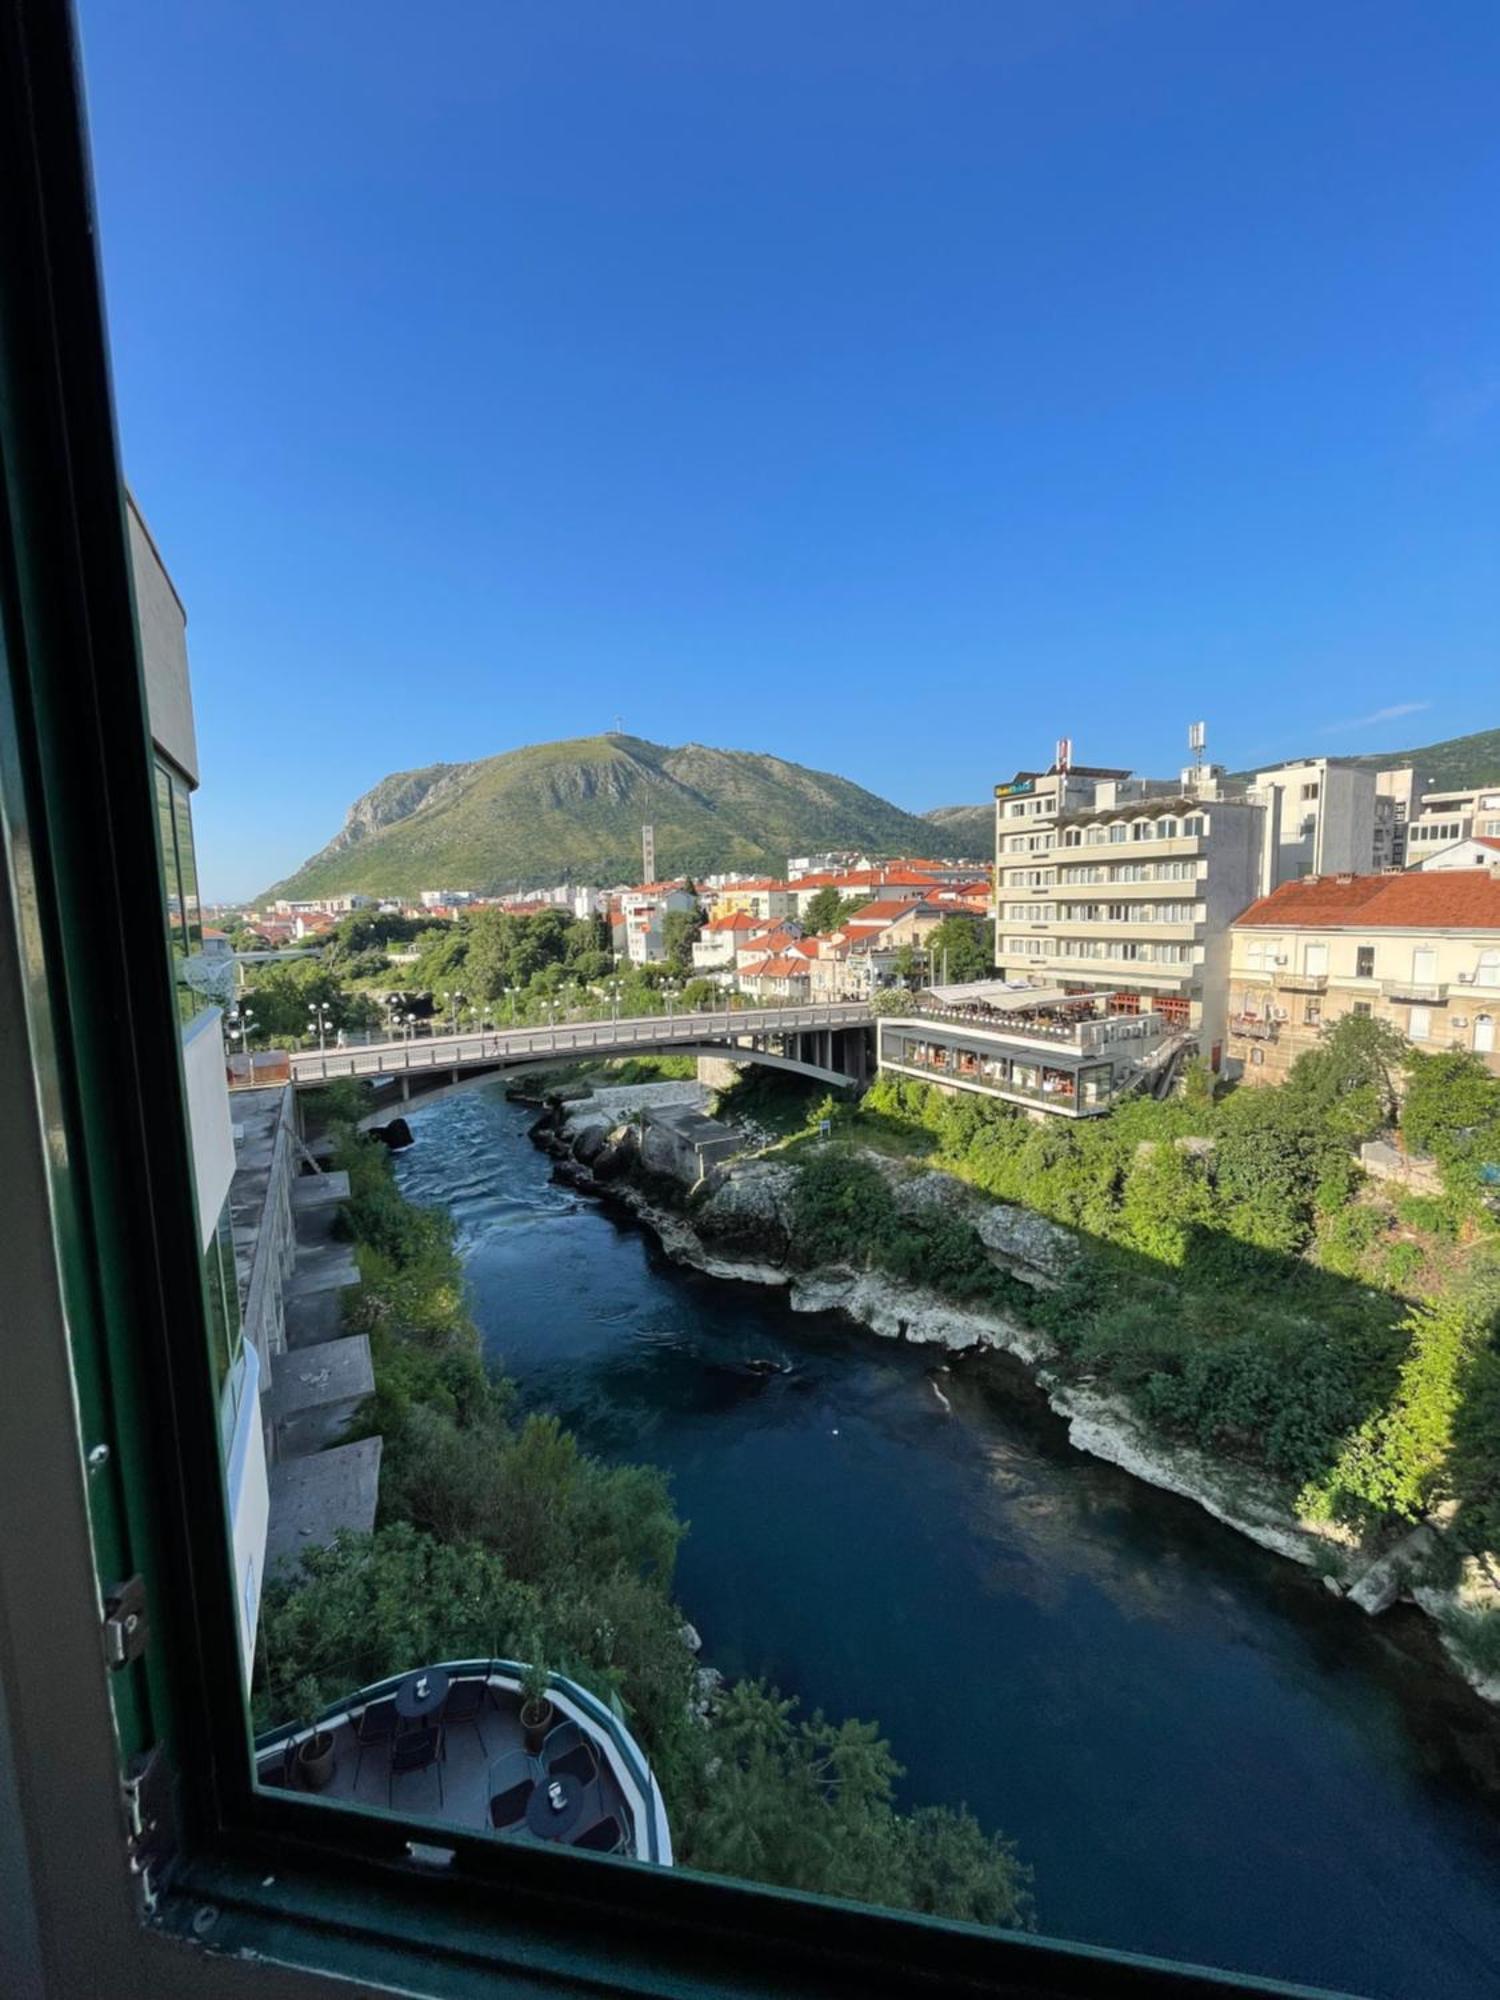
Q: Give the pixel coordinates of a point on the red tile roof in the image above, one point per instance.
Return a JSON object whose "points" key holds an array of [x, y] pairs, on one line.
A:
{"points": [[775, 968], [889, 911], [1464, 899]]}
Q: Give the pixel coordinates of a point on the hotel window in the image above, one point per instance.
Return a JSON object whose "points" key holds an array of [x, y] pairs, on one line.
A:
{"points": [[1166, 829], [1309, 791], [1194, 828], [1364, 961], [1118, 834], [1419, 1023], [1312, 1013], [1362, 1009]]}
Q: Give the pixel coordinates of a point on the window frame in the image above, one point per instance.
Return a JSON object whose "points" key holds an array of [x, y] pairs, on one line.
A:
{"points": [[274, 1894]]}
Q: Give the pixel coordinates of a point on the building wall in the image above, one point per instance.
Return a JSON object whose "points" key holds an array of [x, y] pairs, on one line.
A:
{"points": [[1448, 1000], [249, 1491], [1320, 820], [208, 1117], [162, 624]]}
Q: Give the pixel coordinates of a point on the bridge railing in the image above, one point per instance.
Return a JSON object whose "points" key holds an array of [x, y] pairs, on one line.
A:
{"points": [[650, 1031]]}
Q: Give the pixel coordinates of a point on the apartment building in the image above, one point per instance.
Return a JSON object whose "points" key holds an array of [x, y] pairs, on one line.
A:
{"points": [[1321, 816], [1108, 883], [643, 915], [757, 897], [1398, 797], [1419, 950], [1446, 817]]}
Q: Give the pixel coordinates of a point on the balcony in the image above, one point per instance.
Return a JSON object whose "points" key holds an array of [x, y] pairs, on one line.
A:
{"points": [[1302, 982], [1425, 992], [1253, 1027], [613, 1803]]}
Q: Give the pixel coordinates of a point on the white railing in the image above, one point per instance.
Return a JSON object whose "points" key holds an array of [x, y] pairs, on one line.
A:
{"points": [[651, 1031]]}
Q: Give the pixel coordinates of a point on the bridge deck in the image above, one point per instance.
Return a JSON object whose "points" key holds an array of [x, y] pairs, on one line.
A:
{"points": [[652, 1034]]}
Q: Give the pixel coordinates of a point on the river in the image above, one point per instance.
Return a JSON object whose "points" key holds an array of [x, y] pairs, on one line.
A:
{"points": [[1202, 1754]]}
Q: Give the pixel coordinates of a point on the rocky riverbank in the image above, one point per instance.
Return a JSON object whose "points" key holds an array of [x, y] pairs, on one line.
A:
{"points": [[735, 1225]]}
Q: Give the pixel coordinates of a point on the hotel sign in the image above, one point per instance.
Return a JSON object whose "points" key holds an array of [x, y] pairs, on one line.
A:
{"points": [[1015, 790]]}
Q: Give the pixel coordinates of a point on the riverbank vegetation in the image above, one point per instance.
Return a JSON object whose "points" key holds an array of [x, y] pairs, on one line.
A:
{"points": [[498, 1535], [1236, 1277]]}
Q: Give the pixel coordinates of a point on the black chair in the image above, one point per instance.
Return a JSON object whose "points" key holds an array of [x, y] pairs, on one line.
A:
{"points": [[465, 1703], [605, 1836], [375, 1723], [418, 1750], [512, 1781], [567, 1750]]}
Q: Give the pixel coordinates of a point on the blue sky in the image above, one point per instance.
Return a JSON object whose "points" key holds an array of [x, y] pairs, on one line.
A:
{"points": [[894, 387]]}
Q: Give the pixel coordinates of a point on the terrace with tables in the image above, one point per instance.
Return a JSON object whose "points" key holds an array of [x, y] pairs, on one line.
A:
{"points": [[1072, 1054], [447, 1742]]}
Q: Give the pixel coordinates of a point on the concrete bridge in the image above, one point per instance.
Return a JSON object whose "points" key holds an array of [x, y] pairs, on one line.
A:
{"points": [[831, 1044]]}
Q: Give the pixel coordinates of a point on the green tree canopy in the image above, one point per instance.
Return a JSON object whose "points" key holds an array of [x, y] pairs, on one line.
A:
{"points": [[958, 951], [680, 931]]}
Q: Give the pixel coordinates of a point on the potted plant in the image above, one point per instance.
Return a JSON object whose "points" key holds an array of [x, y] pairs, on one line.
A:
{"points": [[315, 1756], [537, 1712]]}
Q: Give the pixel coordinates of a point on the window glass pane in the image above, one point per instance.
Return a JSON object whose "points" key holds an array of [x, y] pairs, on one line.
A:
{"points": [[175, 905], [493, 1425], [187, 867]]}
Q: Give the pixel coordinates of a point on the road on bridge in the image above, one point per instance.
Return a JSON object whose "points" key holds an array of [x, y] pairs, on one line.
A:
{"points": [[642, 1034]]}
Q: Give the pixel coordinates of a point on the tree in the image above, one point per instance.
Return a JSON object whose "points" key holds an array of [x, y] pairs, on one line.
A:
{"points": [[957, 951], [828, 909], [1452, 1108], [680, 931], [374, 1605], [1349, 1079]]}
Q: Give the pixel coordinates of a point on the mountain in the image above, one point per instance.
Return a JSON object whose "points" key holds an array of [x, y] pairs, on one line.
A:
{"points": [[574, 810], [1448, 766], [963, 829]]}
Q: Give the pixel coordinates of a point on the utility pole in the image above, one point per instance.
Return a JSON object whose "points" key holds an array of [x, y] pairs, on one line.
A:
{"points": [[648, 855]]}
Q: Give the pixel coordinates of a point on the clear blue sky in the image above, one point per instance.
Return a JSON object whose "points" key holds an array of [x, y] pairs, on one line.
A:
{"points": [[892, 386]]}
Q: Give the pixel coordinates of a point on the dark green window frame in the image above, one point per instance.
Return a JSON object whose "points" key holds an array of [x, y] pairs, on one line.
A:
{"points": [[273, 1881]]}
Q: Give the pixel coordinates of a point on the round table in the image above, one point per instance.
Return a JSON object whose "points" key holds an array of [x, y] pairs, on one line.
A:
{"points": [[549, 1822], [420, 1705]]}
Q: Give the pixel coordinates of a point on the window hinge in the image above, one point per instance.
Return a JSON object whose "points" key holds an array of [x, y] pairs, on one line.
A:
{"points": [[127, 1630], [150, 1822]]}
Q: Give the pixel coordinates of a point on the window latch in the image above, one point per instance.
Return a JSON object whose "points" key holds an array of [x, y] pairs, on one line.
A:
{"points": [[127, 1629]]}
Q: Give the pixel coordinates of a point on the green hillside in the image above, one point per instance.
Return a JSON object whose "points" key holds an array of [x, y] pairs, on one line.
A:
{"points": [[1447, 766], [574, 810], [963, 829]]}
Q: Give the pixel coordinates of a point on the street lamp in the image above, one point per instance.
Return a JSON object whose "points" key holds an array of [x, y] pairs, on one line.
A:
{"points": [[321, 1014], [240, 1022], [454, 1000], [670, 990], [512, 991]]}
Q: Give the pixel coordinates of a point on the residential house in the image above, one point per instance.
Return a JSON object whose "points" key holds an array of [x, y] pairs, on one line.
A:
{"points": [[1478, 851], [1420, 950], [777, 976]]}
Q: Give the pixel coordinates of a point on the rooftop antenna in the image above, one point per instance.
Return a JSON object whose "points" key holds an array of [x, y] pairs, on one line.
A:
{"points": [[1197, 738], [1064, 755]]}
